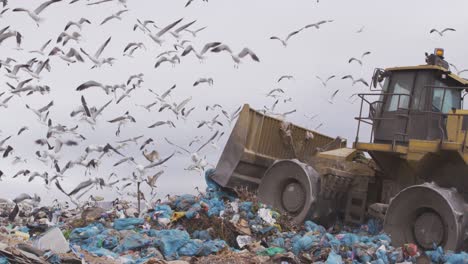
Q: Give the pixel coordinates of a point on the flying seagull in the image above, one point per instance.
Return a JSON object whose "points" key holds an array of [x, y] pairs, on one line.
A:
{"points": [[285, 41], [359, 60], [35, 13], [325, 82], [441, 33], [360, 80]]}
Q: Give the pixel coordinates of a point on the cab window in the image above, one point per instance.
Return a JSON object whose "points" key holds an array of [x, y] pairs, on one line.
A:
{"points": [[400, 85]]}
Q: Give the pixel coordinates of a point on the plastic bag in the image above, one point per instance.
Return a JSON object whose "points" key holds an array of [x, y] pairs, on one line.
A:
{"points": [[132, 242], [127, 223], [334, 258], [86, 232], [170, 241]]}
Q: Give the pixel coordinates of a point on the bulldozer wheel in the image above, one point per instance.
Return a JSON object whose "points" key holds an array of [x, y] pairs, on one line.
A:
{"points": [[426, 215], [290, 186]]}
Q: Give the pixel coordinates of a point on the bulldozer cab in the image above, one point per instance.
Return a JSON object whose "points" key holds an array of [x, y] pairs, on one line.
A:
{"points": [[413, 102]]}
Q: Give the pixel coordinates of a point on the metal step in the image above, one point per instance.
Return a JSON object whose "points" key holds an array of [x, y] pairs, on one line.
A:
{"points": [[356, 207]]}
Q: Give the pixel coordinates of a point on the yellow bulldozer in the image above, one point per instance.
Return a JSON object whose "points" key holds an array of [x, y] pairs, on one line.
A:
{"points": [[413, 177]]}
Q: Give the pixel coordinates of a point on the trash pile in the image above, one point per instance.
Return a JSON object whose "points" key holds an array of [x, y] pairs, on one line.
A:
{"points": [[218, 226]]}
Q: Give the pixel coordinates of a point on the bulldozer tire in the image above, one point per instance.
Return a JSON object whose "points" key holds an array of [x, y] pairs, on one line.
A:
{"points": [[290, 186], [428, 216]]}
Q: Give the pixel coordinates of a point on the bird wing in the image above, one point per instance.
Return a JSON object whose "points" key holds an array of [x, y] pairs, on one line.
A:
{"points": [[448, 29], [152, 165], [365, 54], [99, 2], [185, 26], [177, 146], [45, 45], [45, 108], [80, 186], [168, 27], [121, 12], [129, 45], [120, 118], [348, 77], [107, 19], [208, 141], [99, 51], [362, 81], [209, 45], [102, 108], [88, 84], [222, 47], [331, 77], [122, 161], [183, 103], [85, 106], [434, 30], [247, 51], [354, 59], [292, 34], [44, 5], [165, 94]]}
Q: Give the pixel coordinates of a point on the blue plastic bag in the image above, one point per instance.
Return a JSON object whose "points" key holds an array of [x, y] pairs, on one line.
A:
{"points": [[334, 258], [127, 223], [86, 232], [170, 241], [132, 242]]}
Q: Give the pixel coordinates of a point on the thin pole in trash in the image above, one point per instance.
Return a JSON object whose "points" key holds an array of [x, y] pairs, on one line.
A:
{"points": [[138, 193]]}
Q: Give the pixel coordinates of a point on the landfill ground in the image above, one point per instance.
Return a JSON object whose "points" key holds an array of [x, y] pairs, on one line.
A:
{"points": [[217, 226]]}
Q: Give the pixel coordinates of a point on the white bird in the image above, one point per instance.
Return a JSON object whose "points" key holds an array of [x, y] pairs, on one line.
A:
{"points": [[361, 29], [36, 74], [133, 139], [441, 33], [42, 112], [210, 123], [131, 47], [359, 60], [176, 33], [43, 47], [160, 123], [36, 12], [105, 88], [121, 120], [4, 103], [114, 16], [231, 117], [71, 56], [237, 58], [285, 40], [318, 24], [175, 59], [325, 82], [158, 36], [190, 1], [13, 74], [360, 80], [200, 55], [64, 37], [78, 24], [96, 58], [91, 116], [209, 81], [333, 95], [125, 94], [285, 77], [195, 32]]}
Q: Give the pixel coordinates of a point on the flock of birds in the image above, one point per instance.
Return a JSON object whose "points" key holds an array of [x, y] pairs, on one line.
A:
{"points": [[24, 78]]}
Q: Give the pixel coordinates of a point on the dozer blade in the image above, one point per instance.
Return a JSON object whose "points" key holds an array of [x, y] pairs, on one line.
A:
{"points": [[258, 140]]}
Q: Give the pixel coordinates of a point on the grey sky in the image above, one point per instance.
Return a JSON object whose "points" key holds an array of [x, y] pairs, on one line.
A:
{"points": [[396, 32]]}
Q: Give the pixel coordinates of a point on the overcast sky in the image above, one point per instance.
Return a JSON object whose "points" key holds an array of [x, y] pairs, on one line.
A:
{"points": [[395, 32]]}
